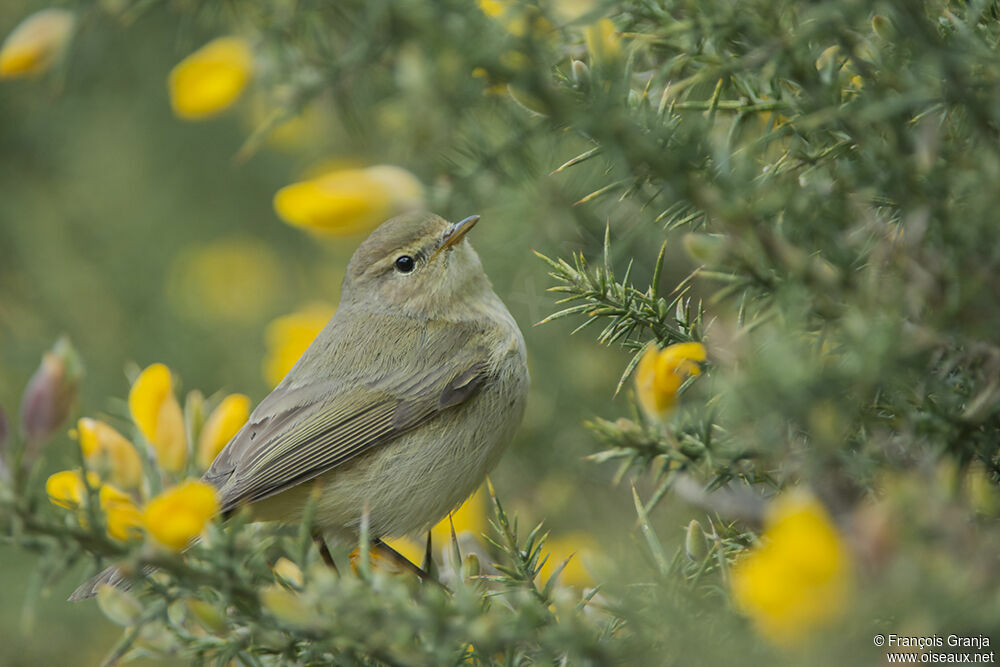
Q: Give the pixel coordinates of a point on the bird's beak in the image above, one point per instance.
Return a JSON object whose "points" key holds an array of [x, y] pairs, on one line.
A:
{"points": [[455, 233]]}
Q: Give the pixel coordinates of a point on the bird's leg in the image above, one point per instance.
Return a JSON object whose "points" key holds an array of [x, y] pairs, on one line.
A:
{"points": [[380, 547], [324, 551]]}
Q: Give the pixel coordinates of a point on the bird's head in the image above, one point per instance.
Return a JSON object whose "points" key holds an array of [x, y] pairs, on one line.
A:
{"points": [[417, 264]]}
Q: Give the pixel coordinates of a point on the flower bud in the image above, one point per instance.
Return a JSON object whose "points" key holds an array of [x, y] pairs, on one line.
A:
{"points": [[883, 27], [36, 43], [580, 73], [288, 607], [49, 396], [705, 249], [470, 567], [119, 606], [207, 615], [695, 544], [288, 573]]}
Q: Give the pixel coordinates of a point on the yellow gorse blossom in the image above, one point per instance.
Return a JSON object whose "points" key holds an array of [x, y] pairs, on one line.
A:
{"points": [[349, 201], [179, 515], [211, 79], [603, 42], [228, 418], [518, 19], [841, 67], [124, 518], [289, 336], [108, 450], [66, 488], [799, 577], [36, 43], [661, 373], [158, 415]]}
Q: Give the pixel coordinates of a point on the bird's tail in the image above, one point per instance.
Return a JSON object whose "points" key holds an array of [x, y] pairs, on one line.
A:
{"points": [[113, 576]]}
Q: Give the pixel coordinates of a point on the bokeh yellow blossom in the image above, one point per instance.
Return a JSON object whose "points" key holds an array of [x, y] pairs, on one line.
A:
{"points": [[66, 488], [798, 578], [603, 42], [228, 418], [158, 415], [661, 373], [841, 67], [178, 515], [288, 573], [579, 548], [211, 79], [36, 43], [288, 337], [123, 517], [349, 201], [518, 19], [109, 452], [227, 280]]}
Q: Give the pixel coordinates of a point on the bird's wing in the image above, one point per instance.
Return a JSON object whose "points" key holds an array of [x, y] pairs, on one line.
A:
{"points": [[299, 437]]}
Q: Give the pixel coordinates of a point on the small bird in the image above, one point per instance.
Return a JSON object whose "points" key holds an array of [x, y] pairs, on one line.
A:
{"points": [[398, 409]]}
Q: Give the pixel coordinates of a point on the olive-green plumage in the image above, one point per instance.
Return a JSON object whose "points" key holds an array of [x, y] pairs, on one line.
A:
{"points": [[400, 406]]}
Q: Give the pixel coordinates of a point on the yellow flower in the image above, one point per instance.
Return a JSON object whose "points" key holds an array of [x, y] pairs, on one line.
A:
{"points": [[493, 8], [158, 415], [516, 18], [36, 43], [226, 280], [576, 546], [660, 374], [603, 42], [349, 201], [66, 488], [798, 579], [211, 79], [122, 515], [288, 573], [108, 450], [289, 336], [179, 514], [221, 426]]}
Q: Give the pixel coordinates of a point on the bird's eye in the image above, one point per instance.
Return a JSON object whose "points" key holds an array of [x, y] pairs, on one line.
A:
{"points": [[405, 264]]}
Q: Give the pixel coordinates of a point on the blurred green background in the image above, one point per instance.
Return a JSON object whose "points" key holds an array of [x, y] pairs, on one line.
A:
{"points": [[115, 215]]}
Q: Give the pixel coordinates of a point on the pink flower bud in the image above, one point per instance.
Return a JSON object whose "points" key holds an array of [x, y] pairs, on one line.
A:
{"points": [[49, 396]]}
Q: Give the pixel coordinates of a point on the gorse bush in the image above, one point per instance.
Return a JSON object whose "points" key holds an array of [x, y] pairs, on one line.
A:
{"points": [[782, 212]]}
